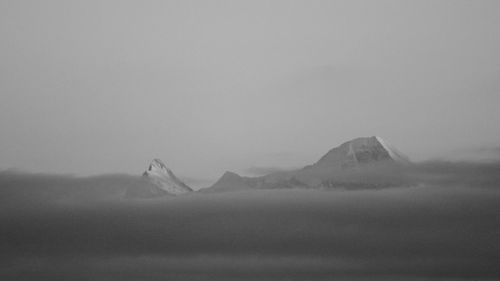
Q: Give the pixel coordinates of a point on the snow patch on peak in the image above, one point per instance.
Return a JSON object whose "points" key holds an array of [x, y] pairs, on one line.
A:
{"points": [[386, 147], [393, 152]]}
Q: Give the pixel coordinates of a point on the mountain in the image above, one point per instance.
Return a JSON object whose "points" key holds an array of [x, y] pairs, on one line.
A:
{"points": [[231, 182], [361, 151], [163, 180], [366, 162]]}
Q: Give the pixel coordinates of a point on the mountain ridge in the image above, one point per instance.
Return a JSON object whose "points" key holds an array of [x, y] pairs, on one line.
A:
{"points": [[360, 162], [164, 180]]}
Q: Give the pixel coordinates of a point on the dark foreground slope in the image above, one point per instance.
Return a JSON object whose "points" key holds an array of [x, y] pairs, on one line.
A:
{"points": [[67, 228], [420, 233]]}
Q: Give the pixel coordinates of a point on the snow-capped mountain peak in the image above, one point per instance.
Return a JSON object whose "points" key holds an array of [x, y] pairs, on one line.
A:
{"points": [[393, 152], [159, 175], [364, 162], [361, 151]]}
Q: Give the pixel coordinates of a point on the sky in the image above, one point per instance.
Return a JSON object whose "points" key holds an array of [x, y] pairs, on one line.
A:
{"points": [[91, 87]]}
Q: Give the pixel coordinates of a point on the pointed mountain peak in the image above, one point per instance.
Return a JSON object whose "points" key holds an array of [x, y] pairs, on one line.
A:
{"points": [[157, 165], [162, 177], [229, 178]]}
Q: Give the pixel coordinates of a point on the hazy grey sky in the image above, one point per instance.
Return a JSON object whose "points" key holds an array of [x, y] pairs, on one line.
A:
{"points": [[104, 86]]}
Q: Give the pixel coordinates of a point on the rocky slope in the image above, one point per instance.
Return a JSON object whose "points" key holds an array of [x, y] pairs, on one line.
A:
{"points": [[162, 181]]}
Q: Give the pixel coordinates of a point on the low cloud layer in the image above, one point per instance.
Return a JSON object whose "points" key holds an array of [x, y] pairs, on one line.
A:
{"points": [[443, 231]]}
